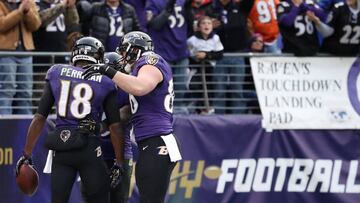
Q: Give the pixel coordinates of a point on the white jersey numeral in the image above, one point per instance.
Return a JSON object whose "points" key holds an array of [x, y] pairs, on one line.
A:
{"points": [[346, 39], [178, 19], [80, 106], [303, 26], [263, 9]]}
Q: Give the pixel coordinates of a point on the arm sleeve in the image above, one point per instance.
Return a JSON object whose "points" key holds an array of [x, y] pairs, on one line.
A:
{"points": [[317, 11], [46, 101], [325, 29], [9, 20], [288, 18], [31, 18], [71, 16], [157, 22], [50, 14], [112, 114]]}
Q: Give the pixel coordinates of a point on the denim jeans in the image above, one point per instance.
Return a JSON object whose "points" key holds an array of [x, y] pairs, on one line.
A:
{"points": [[180, 70], [272, 48], [229, 78], [16, 81]]}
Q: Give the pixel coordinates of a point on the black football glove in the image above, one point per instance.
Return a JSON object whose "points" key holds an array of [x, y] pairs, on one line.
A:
{"points": [[103, 69], [24, 159], [88, 125], [170, 5], [116, 174]]}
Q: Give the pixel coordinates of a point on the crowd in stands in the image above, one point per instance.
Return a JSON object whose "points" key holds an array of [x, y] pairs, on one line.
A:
{"points": [[185, 33]]}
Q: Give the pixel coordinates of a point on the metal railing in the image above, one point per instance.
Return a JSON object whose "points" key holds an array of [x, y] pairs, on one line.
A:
{"points": [[201, 95]]}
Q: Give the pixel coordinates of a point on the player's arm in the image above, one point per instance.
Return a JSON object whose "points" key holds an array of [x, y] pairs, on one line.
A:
{"points": [[147, 79], [327, 29], [286, 13], [115, 127], [125, 114], [37, 124], [50, 14], [158, 21]]}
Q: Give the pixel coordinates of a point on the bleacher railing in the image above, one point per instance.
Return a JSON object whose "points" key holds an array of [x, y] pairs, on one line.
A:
{"points": [[200, 94]]}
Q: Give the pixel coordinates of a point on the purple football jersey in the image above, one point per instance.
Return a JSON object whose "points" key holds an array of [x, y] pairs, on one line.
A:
{"points": [[116, 28], [170, 40], [75, 97], [106, 145], [152, 113]]}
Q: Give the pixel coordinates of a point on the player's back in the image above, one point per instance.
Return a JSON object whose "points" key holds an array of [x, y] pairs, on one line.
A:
{"points": [[75, 98]]}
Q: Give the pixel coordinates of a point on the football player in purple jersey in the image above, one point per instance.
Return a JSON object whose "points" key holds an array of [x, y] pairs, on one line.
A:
{"points": [[76, 144], [151, 95], [120, 193]]}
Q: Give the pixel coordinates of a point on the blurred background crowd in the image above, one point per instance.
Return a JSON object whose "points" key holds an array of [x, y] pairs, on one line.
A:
{"points": [[200, 39]]}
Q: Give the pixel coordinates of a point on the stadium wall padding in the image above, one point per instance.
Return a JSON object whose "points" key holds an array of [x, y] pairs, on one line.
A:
{"points": [[226, 159]]}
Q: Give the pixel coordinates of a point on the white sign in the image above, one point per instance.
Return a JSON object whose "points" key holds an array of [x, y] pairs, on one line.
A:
{"points": [[308, 93]]}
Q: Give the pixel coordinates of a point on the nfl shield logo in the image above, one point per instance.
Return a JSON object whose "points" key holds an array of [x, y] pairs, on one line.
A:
{"points": [[65, 135]]}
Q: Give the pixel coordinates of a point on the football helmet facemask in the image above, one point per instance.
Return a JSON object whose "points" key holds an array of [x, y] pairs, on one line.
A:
{"points": [[87, 49], [133, 45], [116, 61]]}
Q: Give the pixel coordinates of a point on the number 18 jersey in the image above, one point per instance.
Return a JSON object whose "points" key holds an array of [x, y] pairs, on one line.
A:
{"points": [[152, 113], [75, 97]]}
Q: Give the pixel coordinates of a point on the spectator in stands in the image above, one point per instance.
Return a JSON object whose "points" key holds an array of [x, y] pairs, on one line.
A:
{"points": [[110, 21], [235, 38], [342, 29], [17, 22], [205, 48], [58, 21], [59, 26], [298, 32], [139, 6], [200, 8], [168, 25], [262, 20]]}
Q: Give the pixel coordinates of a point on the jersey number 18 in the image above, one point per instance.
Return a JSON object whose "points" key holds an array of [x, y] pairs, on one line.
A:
{"points": [[82, 94]]}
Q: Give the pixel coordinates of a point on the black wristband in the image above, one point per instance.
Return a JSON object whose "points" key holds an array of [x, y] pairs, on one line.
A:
{"points": [[110, 72]]}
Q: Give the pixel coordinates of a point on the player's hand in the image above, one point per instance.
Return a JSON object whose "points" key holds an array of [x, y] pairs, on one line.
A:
{"points": [[312, 17], [116, 174], [24, 6], [170, 6], [200, 55], [103, 69], [87, 125], [24, 159], [216, 23]]}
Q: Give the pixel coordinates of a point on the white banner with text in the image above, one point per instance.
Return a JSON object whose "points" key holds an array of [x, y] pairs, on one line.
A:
{"points": [[308, 92]]}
